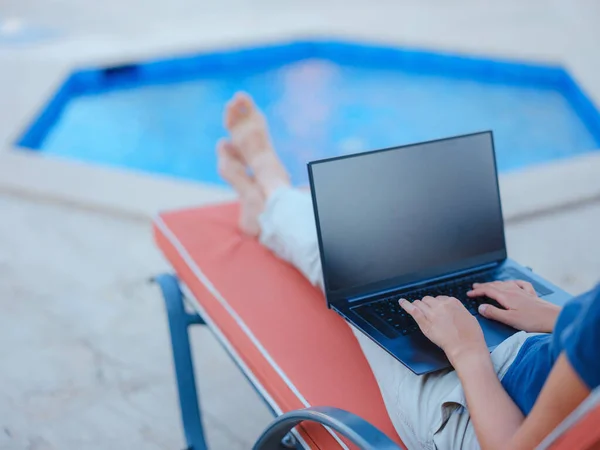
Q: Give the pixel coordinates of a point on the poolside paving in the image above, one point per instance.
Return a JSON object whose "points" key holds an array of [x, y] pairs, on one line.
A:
{"points": [[85, 359], [83, 340]]}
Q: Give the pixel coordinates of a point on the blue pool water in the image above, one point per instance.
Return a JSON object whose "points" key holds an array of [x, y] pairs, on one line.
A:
{"points": [[315, 108]]}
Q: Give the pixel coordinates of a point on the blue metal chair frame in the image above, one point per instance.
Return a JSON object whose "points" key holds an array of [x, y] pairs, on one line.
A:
{"points": [[277, 435]]}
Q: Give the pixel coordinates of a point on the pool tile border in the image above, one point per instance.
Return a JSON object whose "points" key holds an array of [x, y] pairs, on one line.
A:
{"points": [[263, 56]]}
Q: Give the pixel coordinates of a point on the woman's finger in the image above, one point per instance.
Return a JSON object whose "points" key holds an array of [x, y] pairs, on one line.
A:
{"points": [[426, 303], [502, 285], [414, 310], [425, 308], [488, 291], [497, 314], [527, 287], [433, 301]]}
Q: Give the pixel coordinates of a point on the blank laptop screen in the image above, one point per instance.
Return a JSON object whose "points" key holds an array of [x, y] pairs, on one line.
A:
{"points": [[408, 212]]}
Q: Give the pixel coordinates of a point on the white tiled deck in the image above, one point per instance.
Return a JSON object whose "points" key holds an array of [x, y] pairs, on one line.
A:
{"points": [[83, 340]]}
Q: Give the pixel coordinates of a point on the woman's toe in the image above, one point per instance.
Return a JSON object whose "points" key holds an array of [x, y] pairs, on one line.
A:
{"points": [[231, 168], [237, 109]]}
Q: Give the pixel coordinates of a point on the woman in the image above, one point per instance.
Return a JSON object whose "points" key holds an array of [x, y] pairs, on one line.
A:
{"points": [[510, 399]]}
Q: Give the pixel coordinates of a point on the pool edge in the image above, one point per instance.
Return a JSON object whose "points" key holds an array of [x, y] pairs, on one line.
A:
{"points": [[526, 193]]}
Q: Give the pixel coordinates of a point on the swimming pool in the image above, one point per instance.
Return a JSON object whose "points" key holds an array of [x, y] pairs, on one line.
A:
{"points": [[321, 99]]}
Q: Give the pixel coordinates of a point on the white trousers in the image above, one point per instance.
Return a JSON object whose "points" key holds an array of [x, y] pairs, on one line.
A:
{"points": [[428, 411]]}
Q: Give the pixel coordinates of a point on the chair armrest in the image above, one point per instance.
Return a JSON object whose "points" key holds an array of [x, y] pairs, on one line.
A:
{"points": [[354, 428]]}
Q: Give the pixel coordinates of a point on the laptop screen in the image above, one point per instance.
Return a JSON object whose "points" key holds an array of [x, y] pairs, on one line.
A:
{"points": [[407, 214]]}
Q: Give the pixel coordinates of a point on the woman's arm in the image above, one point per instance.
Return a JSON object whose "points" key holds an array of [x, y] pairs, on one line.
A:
{"points": [[563, 390], [446, 322], [495, 416], [561, 394]]}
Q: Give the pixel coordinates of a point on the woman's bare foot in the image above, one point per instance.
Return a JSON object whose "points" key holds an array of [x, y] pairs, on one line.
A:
{"points": [[252, 200], [249, 134]]}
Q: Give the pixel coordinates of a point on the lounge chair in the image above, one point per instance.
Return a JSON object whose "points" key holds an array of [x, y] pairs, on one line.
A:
{"points": [[302, 359]]}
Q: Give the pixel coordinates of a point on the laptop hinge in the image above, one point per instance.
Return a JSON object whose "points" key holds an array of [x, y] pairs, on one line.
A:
{"points": [[426, 282]]}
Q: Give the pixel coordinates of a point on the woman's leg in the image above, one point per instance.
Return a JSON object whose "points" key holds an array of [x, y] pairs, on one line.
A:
{"points": [[427, 411], [286, 226]]}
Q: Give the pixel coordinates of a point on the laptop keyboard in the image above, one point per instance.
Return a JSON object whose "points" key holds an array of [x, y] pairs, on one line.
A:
{"points": [[387, 316]]}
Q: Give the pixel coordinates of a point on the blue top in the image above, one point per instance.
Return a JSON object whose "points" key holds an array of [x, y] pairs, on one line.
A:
{"points": [[577, 334]]}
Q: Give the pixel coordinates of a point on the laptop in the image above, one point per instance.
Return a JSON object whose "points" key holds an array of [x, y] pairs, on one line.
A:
{"points": [[411, 221]]}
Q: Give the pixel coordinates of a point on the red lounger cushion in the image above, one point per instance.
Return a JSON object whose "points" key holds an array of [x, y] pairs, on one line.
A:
{"points": [[300, 352]]}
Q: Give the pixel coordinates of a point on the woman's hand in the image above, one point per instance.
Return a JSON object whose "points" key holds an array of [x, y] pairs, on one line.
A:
{"points": [[524, 310], [448, 324]]}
